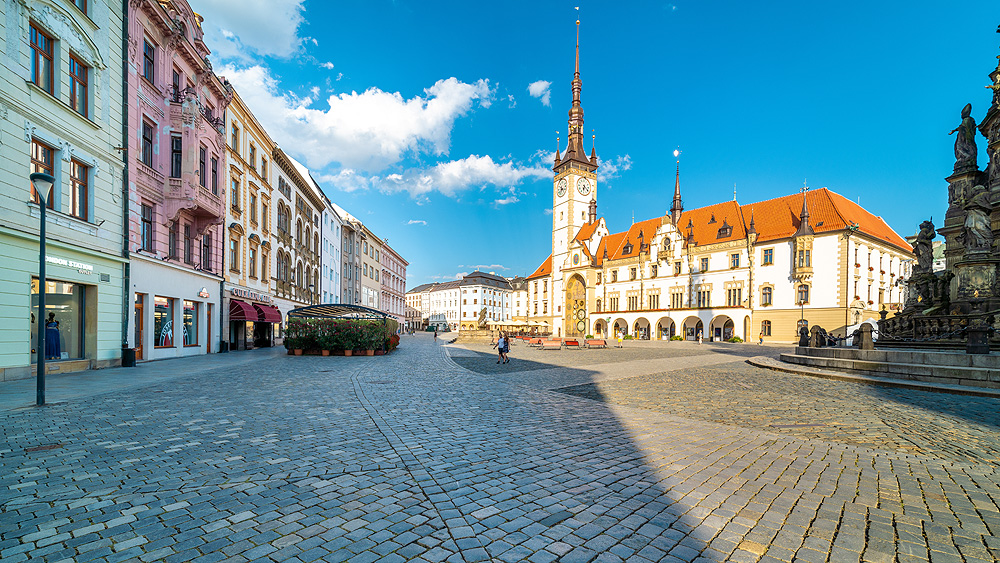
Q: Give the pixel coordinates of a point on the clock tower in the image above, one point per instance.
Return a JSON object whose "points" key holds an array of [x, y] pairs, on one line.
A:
{"points": [[574, 188]]}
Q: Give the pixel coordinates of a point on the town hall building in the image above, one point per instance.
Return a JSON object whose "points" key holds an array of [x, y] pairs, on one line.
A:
{"points": [[726, 270]]}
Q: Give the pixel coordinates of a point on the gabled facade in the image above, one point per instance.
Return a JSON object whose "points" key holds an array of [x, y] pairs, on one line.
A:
{"points": [[177, 167]]}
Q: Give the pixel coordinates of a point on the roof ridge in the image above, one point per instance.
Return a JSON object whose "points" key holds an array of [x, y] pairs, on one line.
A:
{"points": [[836, 209]]}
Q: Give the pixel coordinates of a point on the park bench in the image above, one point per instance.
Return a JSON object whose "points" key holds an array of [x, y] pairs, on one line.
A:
{"points": [[597, 343], [572, 343], [551, 345], [535, 342]]}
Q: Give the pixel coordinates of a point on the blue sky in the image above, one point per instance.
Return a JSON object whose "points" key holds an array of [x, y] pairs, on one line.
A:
{"points": [[435, 122]]}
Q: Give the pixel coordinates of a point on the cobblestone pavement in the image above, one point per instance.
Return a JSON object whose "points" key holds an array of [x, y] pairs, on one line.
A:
{"points": [[413, 457]]}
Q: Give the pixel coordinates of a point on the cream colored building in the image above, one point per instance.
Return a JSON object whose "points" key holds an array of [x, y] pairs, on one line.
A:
{"points": [[248, 306], [723, 270]]}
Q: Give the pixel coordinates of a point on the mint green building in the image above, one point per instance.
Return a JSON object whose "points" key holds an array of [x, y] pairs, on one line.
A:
{"points": [[61, 113]]}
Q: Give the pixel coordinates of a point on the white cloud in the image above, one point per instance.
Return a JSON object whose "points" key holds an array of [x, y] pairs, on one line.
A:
{"points": [[457, 276], [613, 168], [540, 90], [511, 102], [547, 211], [368, 131], [327, 65], [455, 176], [485, 267], [416, 222], [239, 29]]}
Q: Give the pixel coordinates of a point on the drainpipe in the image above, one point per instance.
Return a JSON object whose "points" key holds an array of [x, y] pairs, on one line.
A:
{"points": [[126, 267]]}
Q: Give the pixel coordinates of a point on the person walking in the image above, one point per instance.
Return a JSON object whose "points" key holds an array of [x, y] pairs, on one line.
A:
{"points": [[500, 345], [761, 341], [506, 348], [435, 335]]}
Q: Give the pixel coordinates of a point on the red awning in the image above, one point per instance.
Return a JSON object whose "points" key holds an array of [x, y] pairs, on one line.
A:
{"points": [[267, 313], [241, 311]]}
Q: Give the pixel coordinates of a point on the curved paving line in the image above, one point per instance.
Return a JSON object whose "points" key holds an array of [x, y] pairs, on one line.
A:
{"points": [[431, 489]]}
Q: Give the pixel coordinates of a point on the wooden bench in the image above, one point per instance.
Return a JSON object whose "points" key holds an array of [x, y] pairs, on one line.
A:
{"points": [[597, 343], [551, 345], [535, 342], [571, 343]]}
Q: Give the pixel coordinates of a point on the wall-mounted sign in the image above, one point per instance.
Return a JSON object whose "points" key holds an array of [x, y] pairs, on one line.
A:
{"points": [[249, 294], [83, 268], [204, 294]]}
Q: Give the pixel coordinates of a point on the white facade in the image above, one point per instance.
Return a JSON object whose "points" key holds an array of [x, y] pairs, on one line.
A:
{"points": [[331, 255]]}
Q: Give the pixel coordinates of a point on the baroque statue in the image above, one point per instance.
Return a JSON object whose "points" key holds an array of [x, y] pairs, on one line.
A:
{"points": [[977, 235], [923, 248], [966, 152]]}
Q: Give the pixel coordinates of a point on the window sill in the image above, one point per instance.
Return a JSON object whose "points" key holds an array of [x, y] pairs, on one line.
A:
{"points": [[35, 87], [163, 347], [60, 218], [195, 345]]}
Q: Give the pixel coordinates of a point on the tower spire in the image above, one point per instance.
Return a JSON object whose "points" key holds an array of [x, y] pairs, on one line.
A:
{"points": [[804, 227], [677, 206], [575, 149]]}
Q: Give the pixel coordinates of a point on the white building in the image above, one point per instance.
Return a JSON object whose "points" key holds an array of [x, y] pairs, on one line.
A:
{"points": [[723, 270], [330, 277]]}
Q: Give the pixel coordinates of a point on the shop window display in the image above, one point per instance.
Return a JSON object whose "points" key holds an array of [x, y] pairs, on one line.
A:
{"points": [[190, 323], [163, 325], [62, 321]]}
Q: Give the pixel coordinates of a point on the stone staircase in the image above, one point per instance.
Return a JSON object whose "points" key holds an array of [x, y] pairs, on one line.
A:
{"points": [[945, 367]]}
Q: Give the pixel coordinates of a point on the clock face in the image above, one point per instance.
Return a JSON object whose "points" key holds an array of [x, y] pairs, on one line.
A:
{"points": [[583, 186], [581, 314], [561, 187], [581, 326]]}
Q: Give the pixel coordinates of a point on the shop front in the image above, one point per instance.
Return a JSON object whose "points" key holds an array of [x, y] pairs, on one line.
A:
{"points": [[83, 306], [173, 311], [251, 318]]}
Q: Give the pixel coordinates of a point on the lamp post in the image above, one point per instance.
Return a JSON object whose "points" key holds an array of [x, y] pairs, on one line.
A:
{"points": [[312, 288], [42, 184]]}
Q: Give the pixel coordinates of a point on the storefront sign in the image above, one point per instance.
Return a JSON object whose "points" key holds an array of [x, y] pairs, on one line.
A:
{"points": [[83, 268], [204, 294], [248, 294]]}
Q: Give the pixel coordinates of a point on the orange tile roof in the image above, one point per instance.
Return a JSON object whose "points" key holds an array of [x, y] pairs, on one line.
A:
{"points": [[828, 211], [587, 231], [543, 270], [611, 242], [706, 222]]}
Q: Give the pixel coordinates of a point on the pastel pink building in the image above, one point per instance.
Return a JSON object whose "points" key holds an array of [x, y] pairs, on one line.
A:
{"points": [[177, 171]]}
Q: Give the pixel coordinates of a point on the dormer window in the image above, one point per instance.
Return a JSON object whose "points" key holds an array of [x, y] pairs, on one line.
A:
{"points": [[712, 220], [628, 248], [725, 230]]}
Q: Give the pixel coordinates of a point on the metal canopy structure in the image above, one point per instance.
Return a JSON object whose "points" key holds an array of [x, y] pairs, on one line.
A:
{"points": [[338, 311]]}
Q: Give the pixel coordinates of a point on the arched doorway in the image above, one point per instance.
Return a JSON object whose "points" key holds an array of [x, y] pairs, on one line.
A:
{"points": [[665, 328], [620, 326], [640, 329], [691, 327], [575, 320], [721, 328], [601, 328]]}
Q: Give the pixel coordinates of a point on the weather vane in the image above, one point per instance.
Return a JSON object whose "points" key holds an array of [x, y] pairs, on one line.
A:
{"points": [[677, 154]]}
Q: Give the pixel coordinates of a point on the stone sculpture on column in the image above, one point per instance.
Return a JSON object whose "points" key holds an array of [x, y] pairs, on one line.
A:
{"points": [[966, 152]]}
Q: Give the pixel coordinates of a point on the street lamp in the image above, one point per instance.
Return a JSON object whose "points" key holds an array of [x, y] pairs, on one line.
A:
{"points": [[312, 288], [42, 183]]}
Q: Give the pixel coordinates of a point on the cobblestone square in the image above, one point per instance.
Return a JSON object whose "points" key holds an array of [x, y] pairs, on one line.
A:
{"points": [[654, 452]]}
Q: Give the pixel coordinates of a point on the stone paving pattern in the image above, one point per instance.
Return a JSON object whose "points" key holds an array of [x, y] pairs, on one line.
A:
{"points": [[413, 457]]}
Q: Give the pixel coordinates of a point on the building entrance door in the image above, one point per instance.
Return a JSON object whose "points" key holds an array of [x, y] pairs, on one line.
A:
{"points": [[576, 308], [140, 321]]}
